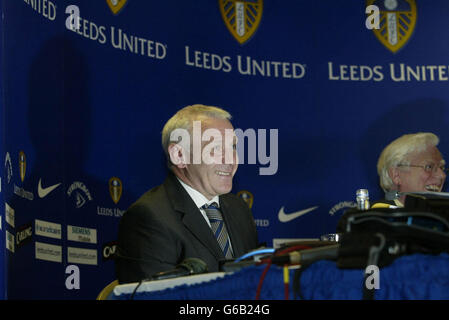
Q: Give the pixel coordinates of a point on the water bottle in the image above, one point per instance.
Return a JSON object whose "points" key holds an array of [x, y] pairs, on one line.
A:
{"points": [[362, 196]]}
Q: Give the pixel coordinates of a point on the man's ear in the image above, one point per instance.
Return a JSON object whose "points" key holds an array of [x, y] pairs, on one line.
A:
{"points": [[178, 156], [393, 172]]}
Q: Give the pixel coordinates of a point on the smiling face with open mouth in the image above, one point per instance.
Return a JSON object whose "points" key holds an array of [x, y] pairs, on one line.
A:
{"points": [[213, 176], [424, 172]]}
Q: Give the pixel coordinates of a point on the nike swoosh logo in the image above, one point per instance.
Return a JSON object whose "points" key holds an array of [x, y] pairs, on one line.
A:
{"points": [[286, 217], [43, 192]]}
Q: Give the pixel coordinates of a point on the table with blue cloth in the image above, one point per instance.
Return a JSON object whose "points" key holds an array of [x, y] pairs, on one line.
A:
{"points": [[416, 276]]}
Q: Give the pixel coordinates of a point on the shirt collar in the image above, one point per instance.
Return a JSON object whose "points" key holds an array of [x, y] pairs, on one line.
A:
{"points": [[197, 197]]}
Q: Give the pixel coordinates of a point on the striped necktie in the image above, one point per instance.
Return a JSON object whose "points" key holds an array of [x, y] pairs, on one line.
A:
{"points": [[213, 212]]}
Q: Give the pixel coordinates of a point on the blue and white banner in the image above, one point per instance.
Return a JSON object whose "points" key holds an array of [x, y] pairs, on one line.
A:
{"points": [[320, 88]]}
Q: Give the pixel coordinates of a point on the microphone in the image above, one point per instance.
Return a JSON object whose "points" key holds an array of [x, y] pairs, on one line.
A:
{"points": [[187, 267], [308, 256]]}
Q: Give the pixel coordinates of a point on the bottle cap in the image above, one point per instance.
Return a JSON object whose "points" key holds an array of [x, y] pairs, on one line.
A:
{"points": [[363, 193]]}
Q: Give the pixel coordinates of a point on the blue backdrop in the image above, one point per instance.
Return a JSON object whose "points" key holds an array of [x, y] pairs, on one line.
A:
{"points": [[2, 202], [83, 112]]}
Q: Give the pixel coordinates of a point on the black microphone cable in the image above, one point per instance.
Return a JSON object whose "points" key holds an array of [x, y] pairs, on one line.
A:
{"points": [[136, 288], [190, 265]]}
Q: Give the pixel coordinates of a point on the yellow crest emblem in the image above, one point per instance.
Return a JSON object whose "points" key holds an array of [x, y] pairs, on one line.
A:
{"points": [[116, 5], [115, 189], [247, 197], [22, 165], [242, 17], [397, 20]]}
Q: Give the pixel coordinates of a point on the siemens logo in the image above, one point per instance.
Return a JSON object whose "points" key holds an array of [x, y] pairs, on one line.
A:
{"points": [[81, 234], [81, 230]]}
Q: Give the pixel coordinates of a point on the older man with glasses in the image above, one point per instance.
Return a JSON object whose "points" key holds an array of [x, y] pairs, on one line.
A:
{"points": [[411, 163]]}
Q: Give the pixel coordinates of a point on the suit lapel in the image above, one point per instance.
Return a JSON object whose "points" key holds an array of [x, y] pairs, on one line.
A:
{"points": [[192, 218], [194, 221]]}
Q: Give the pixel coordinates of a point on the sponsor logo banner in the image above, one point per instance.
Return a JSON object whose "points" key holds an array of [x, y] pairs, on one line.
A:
{"points": [[43, 192], [80, 234], [341, 206], [80, 194], [48, 252], [21, 192], [109, 250], [8, 167], [24, 234], [82, 256], [287, 217], [47, 229], [9, 241], [9, 215]]}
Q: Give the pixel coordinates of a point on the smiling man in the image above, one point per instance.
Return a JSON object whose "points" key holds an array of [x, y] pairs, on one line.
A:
{"points": [[412, 163], [192, 214]]}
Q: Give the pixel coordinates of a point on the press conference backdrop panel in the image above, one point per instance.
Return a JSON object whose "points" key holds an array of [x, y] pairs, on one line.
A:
{"points": [[84, 109]]}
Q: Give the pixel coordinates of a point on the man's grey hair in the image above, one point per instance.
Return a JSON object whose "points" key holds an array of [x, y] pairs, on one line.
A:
{"points": [[183, 119], [397, 152]]}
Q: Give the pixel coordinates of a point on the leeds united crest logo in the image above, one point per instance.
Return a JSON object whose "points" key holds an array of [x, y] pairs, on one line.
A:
{"points": [[242, 17], [115, 189], [397, 22], [22, 165], [116, 5], [247, 197]]}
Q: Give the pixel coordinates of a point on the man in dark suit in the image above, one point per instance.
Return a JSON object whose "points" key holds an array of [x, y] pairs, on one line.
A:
{"points": [[192, 214]]}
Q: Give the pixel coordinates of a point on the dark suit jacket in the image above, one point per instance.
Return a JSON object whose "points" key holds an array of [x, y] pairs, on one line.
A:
{"points": [[164, 227]]}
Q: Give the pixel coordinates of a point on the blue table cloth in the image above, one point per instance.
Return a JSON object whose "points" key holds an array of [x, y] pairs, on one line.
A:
{"points": [[415, 276]]}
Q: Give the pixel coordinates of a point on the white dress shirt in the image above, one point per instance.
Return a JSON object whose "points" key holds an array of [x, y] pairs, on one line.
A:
{"points": [[200, 200]]}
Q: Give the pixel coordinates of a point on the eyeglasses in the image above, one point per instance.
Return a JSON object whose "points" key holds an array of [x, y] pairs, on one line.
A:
{"points": [[429, 168]]}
